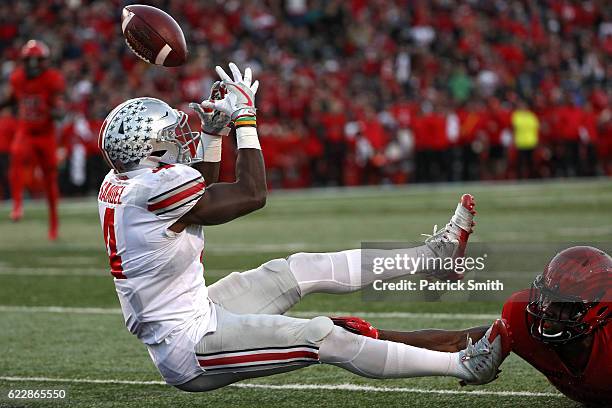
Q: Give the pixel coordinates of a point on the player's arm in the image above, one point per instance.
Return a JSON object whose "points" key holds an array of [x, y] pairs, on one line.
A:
{"points": [[433, 339], [208, 170], [58, 111], [223, 202]]}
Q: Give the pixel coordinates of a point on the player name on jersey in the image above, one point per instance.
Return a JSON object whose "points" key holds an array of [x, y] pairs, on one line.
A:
{"points": [[110, 193]]}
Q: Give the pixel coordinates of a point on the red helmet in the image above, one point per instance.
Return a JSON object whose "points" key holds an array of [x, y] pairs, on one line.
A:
{"points": [[572, 297], [35, 49]]}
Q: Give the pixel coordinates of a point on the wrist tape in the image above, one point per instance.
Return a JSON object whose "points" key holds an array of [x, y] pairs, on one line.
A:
{"points": [[211, 148], [246, 137]]}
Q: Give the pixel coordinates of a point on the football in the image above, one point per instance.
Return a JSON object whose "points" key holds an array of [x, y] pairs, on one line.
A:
{"points": [[153, 35]]}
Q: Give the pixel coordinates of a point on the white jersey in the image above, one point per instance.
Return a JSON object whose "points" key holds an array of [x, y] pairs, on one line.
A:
{"points": [[158, 274]]}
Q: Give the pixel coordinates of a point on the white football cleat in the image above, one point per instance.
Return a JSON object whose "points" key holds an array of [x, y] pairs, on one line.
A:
{"points": [[481, 361], [451, 241]]}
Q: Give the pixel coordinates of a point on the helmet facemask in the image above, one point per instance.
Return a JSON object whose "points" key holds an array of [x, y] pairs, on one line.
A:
{"points": [[34, 55], [34, 66], [179, 141], [554, 318]]}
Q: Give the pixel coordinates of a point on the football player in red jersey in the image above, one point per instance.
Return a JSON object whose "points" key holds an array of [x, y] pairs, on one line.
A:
{"points": [[37, 91], [560, 326]]}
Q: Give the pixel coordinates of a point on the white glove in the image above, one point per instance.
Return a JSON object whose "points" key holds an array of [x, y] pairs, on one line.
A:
{"points": [[214, 122], [240, 98]]}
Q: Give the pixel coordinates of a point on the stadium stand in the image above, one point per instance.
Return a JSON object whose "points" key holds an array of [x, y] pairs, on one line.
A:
{"points": [[357, 92]]}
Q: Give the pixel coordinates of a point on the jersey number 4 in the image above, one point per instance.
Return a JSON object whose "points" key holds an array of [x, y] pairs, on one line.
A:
{"points": [[111, 244]]}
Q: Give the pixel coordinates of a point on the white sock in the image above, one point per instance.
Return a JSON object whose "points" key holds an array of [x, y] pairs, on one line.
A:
{"points": [[341, 272], [385, 359]]}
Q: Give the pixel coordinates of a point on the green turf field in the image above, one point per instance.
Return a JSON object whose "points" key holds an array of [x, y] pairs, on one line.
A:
{"points": [[59, 320]]}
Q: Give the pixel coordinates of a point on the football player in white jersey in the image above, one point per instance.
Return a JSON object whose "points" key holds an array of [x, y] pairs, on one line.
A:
{"points": [[153, 203]]}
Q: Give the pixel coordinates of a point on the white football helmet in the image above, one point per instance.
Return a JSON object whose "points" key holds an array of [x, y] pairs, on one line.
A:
{"points": [[144, 132]]}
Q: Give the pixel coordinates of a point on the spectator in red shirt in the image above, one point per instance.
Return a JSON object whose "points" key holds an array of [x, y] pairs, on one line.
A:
{"points": [[432, 147], [605, 140], [497, 129], [85, 169], [403, 112], [472, 123], [569, 120], [331, 130], [375, 137], [421, 153], [589, 136]]}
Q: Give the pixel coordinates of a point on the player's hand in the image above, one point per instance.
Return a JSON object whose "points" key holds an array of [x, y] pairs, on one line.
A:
{"points": [[214, 122], [240, 98]]}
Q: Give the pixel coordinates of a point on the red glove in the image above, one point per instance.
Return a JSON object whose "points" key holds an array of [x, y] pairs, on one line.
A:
{"points": [[356, 325]]}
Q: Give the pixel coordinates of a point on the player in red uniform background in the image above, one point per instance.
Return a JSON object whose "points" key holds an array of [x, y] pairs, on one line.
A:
{"points": [[37, 91], [7, 130], [560, 326]]}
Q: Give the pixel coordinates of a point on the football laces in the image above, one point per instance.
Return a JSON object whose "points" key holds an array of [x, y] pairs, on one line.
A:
{"points": [[139, 55]]}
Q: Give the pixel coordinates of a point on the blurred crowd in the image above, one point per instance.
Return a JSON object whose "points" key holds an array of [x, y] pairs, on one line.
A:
{"points": [[355, 91]]}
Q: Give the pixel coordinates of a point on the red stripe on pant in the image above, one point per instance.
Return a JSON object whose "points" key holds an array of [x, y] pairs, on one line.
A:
{"points": [[252, 358]]}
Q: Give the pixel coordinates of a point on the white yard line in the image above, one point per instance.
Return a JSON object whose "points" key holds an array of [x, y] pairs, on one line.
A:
{"points": [[382, 315], [298, 387], [367, 388]]}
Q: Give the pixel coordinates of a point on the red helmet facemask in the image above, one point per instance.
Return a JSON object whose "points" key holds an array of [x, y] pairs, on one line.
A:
{"points": [[34, 55], [572, 297]]}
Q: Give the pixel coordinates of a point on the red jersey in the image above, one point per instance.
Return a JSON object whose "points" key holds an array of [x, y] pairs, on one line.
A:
{"points": [[375, 133], [334, 125], [36, 98], [430, 132], [569, 120], [589, 122], [7, 132], [495, 122], [471, 123], [593, 386], [404, 113]]}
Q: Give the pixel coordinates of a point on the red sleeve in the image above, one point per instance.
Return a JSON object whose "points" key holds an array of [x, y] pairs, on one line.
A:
{"points": [[58, 83], [174, 190], [14, 80], [514, 311], [514, 308]]}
